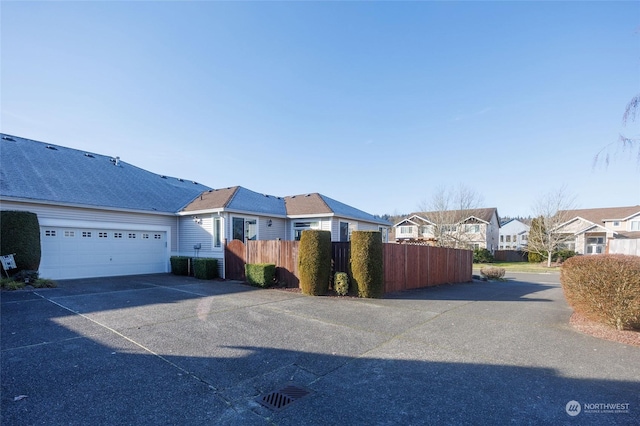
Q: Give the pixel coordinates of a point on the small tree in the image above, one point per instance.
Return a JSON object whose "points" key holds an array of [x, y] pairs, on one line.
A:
{"points": [[552, 210], [449, 211]]}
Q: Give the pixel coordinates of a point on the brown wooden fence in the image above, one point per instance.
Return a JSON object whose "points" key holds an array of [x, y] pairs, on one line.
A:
{"points": [[510, 256], [405, 266]]}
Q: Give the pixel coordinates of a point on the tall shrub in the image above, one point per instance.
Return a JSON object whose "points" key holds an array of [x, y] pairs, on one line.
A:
{"points": [[314, 262], [604, 288], [366, 263], [20, 234]]}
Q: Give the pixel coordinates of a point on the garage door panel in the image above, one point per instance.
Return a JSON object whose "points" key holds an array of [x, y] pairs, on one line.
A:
{"points": [[80, 253]]}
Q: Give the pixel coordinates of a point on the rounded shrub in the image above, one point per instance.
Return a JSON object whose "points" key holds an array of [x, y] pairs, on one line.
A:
{"points": [[314, 262], [604, 288], [341, 283], [366, 264], [492, 272], [20, 234], [535, 257]]}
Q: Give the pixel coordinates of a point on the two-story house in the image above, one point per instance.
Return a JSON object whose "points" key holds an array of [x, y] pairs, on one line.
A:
{"points": [[589, 230], [475, 228], [514, 235]]}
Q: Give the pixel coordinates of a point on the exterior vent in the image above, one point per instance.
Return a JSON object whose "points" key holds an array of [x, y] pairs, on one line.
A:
{"points": [[8, 138], [115, 161], [181, 180], [52, 147], [89, 155], [163, 176], [194, 182]]}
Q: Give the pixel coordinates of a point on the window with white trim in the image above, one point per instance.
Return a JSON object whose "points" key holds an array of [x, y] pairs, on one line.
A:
{"points": [[217, 232], [117, 235], [103, 235], [69, 234], [157, 236], [132, 235], [50, 233], [145, 236], [298, 227], [86, 234]]}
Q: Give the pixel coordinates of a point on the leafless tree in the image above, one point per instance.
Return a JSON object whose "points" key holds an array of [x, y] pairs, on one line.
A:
{"points": [[447, 211], [552, 210], [624, 143]]}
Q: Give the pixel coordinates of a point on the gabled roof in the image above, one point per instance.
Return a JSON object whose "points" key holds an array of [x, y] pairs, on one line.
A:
{"points": [[238, 199], [413, 219], [600, 215], [458, 216], [35, 171], [319, 205]]}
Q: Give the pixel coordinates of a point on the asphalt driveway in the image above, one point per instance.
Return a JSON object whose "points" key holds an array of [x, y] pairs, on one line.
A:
{"points": [[160, 349]]}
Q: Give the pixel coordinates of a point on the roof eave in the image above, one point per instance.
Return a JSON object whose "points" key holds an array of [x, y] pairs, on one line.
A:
{"points": [[84, 206]]}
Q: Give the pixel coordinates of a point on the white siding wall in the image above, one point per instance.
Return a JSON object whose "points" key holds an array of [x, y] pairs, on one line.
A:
{"points": [[84, 215], [273, 232]]}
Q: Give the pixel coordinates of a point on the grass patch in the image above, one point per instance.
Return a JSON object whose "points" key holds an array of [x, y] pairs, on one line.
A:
{"points": [[521, 266]]}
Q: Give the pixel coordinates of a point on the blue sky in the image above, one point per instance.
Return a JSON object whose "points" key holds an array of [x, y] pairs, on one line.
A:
{"points": [[375, 104]]}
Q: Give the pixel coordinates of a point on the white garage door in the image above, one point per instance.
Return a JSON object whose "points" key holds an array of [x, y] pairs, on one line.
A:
{"points": [[81, 253]]}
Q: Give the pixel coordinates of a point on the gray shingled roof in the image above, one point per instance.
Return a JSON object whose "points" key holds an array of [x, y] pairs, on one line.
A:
{"points": [[239, 199], [309, 204], [38, 171]]}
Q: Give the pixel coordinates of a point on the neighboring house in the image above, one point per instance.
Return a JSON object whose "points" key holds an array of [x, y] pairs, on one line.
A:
{"points": [[100, 216], [513, 235], [477, 228], [589, 230], [241, 214]]}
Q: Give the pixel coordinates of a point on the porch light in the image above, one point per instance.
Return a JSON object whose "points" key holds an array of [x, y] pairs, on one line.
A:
{"points": [[197, 220], [269, 223]]}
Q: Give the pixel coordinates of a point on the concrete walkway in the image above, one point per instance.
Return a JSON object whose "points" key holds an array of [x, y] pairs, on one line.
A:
{"points": [[160, 349]]}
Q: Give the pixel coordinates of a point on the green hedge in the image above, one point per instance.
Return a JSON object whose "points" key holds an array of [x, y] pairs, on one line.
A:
{"points": [[205, 268], [366, 264], [260, 274], [604, 288], [179, 265], [314, 262], [20, 234]]}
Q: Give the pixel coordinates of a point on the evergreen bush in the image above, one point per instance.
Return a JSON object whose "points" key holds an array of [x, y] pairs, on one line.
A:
{"points": [[482, 255], [366, 264], [314, 262], [179, 265], [260, 274], [20, 235], [205, 268], [604, 288]]}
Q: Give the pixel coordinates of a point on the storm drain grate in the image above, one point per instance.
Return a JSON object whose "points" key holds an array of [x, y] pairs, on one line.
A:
{"points": [[285, 396]]}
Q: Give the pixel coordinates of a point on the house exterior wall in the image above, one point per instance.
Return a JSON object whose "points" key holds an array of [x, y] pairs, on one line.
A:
{"points": [[84, 217], [511, 229]]}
